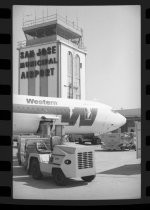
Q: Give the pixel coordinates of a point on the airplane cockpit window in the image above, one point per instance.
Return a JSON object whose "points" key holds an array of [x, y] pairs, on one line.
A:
{"points": [[114, 111]]}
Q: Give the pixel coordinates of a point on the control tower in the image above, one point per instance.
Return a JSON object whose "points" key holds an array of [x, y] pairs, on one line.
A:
{"points": [[52, 58]]}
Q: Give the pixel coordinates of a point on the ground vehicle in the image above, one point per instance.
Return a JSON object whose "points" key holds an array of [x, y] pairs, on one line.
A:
{"points": [[63, 161], [20, 145], [112, 141], [117, 141], [82, 138]]}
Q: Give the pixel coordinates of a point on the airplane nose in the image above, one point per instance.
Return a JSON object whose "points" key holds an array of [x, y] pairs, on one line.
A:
{"points": [[122, 120], [118, 120]]}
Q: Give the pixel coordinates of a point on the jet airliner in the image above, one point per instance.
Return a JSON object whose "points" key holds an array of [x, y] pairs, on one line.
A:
{"points": [[78, 116]]}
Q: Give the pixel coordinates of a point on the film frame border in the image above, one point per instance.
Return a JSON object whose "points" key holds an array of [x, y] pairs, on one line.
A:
{"points": [[6, 91], [145, 95]]}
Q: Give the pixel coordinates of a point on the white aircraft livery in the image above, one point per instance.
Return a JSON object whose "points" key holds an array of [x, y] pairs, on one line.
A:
{"points": [[78, 116]]}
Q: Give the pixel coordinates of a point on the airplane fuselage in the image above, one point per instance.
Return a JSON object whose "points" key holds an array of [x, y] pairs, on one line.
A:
{"points": [[78, 116]]}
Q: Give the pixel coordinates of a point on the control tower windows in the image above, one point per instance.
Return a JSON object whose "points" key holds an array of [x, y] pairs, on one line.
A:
{"points": [[70, 75], [73, 85], [76, 79]]}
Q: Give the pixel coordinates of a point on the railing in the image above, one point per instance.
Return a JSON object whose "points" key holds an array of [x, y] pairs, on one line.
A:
{"points": [[51, 18]]}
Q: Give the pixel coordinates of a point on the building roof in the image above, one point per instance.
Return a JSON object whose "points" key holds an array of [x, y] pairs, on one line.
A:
{"points": [[130, 112]]}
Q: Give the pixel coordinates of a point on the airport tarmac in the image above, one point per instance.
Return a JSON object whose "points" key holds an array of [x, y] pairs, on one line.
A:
{"points": [[118, 177]]}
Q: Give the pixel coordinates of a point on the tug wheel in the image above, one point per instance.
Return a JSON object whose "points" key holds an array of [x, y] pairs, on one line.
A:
{"points": [[88, 178], [59, 177], [35, 169]]}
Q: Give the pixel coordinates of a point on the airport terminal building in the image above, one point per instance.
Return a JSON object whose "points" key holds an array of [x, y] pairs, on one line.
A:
{"points": [[52, 58]]}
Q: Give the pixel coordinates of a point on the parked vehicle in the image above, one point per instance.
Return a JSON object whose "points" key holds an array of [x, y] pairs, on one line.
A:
{"points": [[82, 138]]}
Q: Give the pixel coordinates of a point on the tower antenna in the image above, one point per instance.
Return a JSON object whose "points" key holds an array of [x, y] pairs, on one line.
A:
{"points": [[35, 15], [56, 13], [77, 21], [43, 14], [47, 11], [23, 19]]}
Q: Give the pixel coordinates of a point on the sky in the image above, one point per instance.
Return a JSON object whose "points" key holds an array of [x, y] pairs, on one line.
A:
{"points": [[112, 36]]}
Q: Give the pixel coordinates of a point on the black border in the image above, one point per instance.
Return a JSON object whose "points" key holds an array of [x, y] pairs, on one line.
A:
{"points": [[6, 101]]}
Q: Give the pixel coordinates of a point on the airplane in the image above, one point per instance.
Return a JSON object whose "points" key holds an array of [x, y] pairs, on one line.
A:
{"points": [[78, 116]]}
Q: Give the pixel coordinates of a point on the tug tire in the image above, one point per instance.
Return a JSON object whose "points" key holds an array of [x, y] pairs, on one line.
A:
{"points": [[88, 178], [35, 169], [59, 177]]}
